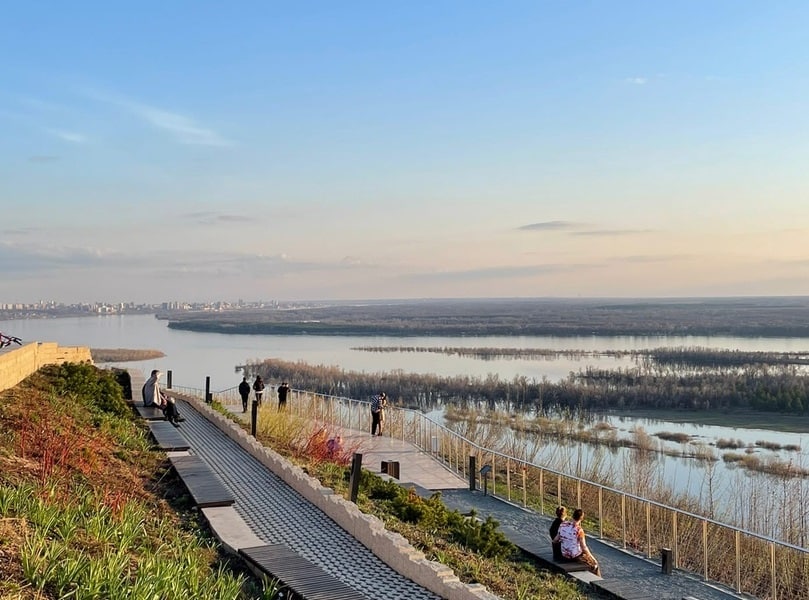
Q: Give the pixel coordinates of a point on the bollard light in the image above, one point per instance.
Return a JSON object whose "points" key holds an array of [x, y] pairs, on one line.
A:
{"points": [[484, 474]]}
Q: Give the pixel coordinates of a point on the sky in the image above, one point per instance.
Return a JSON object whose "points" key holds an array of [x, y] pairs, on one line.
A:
{"points": [[157, 151]]}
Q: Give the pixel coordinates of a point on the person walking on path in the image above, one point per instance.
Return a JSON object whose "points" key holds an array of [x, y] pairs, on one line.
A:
{"points": [[283, 392], [378, 403], [258, 388], [574, 546], [244, 392]]}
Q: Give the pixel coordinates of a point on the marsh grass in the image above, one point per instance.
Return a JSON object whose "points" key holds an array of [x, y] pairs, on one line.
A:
{"points": [[88, 510], [772, 506], [108, 355], [477, 552]]}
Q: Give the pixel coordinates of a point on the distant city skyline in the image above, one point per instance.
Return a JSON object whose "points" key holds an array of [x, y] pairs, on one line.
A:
{"points": [[368, 151]]}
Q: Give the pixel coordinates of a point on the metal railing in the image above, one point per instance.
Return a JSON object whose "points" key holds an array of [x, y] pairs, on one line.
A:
{"points": [[742, 560]]}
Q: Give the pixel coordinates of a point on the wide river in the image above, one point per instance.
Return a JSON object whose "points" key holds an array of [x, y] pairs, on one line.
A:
{"points": [[192, 356]]}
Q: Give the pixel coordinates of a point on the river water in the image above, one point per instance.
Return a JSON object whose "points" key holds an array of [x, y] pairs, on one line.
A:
{"points": [[192, 356]]}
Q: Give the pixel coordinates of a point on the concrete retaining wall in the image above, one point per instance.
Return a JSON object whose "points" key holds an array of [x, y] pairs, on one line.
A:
{"points": [[391, 548], [16, 365]]}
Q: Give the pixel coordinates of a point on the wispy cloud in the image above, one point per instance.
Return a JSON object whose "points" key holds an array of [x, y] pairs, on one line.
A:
{"points": [[25, 260], [182, 128], [636, 80], [43, 158], [505, 272], [651, 258], [17, 231], [612, 232], [548, 226], [214, 218], [68, 136]]}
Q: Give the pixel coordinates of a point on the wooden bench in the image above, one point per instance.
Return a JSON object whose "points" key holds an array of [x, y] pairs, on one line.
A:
{"points": [[203, 484], [302, 577], [542, 551], [149, 413], [168, 437]]}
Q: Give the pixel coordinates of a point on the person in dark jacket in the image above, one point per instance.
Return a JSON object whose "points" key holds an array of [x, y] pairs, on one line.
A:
{"points": [[561, 517], [244, 392], [378, 404], [258, 388], [283, 392]]}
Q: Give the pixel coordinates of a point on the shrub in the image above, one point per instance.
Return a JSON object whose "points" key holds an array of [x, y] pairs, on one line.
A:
{"points": [[92, 388]]}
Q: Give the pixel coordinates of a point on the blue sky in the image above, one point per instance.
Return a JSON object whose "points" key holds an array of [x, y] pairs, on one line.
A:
{"points": [[197, 150]]}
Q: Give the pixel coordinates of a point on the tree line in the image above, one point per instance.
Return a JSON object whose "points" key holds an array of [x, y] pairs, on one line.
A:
{"points": [[776, 388]]}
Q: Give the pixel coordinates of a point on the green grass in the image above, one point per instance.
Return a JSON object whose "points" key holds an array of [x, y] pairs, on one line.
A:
{"points": [[89, 511]]}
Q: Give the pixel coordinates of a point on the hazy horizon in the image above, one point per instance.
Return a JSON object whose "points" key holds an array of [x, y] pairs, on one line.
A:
{"points": [[188, 151]]}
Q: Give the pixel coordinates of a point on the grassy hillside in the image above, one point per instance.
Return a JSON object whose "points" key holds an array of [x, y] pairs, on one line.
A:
{"points": [[88, 509]]}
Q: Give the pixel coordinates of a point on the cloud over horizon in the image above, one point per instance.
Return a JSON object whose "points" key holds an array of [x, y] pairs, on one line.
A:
{"points": [[548, 226], [181, 128]]}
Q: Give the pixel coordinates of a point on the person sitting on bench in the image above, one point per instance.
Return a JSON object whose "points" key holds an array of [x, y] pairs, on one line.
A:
{"points": [[171, 413], [574, 546], [561, 517], [152, 394]]}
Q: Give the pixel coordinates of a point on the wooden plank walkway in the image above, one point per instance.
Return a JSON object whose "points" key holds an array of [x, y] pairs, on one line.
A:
{"points": [[168, 437], [204, 486], [149, 413], [298, 574]]}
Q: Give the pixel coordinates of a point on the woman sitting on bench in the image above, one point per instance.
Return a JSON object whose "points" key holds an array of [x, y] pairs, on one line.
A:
{"points": [[574, 546]]}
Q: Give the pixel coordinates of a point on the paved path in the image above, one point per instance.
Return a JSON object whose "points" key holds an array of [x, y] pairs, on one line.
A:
{"points": [[625, 575], [278, 514]]}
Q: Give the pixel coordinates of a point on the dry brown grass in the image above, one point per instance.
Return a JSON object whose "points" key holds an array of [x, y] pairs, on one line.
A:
{"points": [[110, 355]]}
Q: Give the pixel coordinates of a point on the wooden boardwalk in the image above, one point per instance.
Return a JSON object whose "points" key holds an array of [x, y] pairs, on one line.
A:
{"points": [[204, 486], [301, 576]]}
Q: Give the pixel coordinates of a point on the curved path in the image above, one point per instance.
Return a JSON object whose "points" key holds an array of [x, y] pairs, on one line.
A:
{"points": [[278, 514]]}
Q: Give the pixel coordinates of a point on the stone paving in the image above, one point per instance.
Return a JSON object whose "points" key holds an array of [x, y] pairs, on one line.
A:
{"points": [[636, 576], [278, 514], [275, 514]]}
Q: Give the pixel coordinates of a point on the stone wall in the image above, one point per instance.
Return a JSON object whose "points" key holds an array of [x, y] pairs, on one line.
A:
{"points": [[17, 364]]}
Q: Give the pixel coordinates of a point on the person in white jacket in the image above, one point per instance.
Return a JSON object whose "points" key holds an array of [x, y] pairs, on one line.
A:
{"points": [[152, 394]]}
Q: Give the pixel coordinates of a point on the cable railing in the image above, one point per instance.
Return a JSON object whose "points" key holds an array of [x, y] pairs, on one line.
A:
{"points": [[745, 561]]}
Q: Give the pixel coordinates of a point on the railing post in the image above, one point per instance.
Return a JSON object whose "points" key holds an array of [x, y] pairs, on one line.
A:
{"points": [[674, 545], [559, 490], [578, 493], [623, 520], [508, 479], [772, 572], [705, 548], [541, 492], [738, 563], [600, 512], [648, 530], [168, 379], [208, 389], [472, 472], [494, 476], [524, 486]]}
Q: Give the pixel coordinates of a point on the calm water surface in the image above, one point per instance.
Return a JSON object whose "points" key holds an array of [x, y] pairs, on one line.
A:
{"points": [[192, 356]]}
